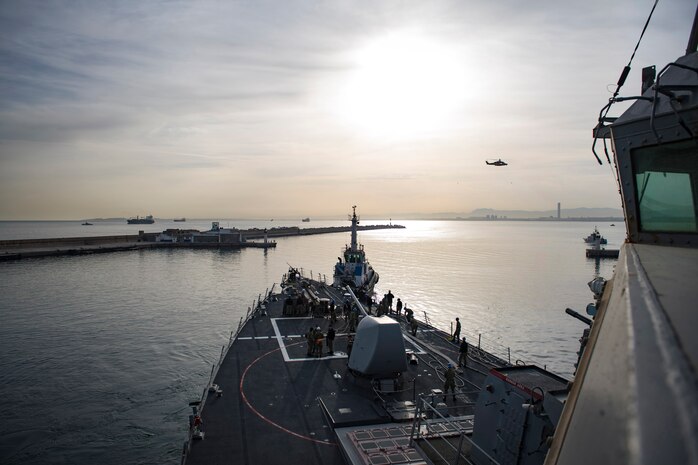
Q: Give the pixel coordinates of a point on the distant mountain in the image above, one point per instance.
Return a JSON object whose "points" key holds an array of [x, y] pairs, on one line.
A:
{"points": [[582, 212]]}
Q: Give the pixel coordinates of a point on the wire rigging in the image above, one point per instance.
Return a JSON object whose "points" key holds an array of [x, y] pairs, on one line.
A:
{"points": [[621, 81]]}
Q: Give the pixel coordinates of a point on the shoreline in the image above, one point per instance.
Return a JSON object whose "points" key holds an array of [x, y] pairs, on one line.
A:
{"points": [[17, 249]]}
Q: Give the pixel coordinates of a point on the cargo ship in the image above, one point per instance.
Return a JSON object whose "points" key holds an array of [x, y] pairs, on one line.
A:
{"points": [[138, 220]]}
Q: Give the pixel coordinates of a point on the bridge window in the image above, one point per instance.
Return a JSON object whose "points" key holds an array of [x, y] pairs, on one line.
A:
{"points": [[666, 178]]}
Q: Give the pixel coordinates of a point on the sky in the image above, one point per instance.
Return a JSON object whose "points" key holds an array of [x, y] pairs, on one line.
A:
{"points": [[286, 108]]}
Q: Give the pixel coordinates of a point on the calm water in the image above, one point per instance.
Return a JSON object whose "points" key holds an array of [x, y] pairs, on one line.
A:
{"points": [[100, 355]]}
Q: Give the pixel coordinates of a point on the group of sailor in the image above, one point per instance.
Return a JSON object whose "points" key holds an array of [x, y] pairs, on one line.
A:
{"points": [[315, 338]]}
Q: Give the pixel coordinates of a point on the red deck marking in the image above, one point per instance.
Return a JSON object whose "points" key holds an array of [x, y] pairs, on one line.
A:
{"points": [[247, 402]]}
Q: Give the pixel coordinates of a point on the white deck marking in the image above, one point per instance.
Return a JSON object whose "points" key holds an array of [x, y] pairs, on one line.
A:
{"points": [[279, 339], [413, 341], [287, 358]]}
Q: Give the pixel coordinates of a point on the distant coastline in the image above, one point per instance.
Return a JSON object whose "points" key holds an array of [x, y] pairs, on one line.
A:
{"points": [[480, 214], [600, 219]]}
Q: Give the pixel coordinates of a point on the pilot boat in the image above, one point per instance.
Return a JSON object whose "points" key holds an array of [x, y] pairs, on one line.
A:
{"points": [[595, 237]]}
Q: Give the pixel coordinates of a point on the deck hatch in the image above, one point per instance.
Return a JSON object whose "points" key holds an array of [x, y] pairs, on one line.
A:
{"points": [[368, 446], [386, 444], [378, 460], [397, 458]]}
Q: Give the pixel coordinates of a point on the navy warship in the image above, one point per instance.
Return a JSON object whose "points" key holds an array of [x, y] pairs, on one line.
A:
{"points": [[282, 393], [377, 395]]}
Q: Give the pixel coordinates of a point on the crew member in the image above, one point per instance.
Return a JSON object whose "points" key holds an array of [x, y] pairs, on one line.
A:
{"points": [[318, 341], [330, 340], [463, 354], [408, 313], [456, 333], [310, 338], [414, 326]]}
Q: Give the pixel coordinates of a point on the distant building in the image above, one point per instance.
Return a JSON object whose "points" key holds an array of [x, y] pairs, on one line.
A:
{"points": [[558, 210], [218, 235]]}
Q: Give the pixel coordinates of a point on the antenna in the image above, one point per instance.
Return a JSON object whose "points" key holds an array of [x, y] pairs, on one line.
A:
{"points": [[693, 38]]}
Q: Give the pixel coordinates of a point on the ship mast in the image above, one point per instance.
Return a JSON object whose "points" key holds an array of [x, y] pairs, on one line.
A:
{"points": [[354, 229]]}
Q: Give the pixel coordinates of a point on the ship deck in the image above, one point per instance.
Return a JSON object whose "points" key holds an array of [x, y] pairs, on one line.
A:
{"points": [[280, 406]]}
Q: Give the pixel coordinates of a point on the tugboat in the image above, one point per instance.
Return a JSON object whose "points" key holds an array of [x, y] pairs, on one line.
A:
{"points": [[138, 220], [354, 271], [595, 237]]}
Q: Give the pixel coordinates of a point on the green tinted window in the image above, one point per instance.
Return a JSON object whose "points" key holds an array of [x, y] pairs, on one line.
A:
{"points": [[665, 183]]}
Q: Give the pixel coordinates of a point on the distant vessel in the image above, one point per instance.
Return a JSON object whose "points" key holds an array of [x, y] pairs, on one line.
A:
{"points": [[180, 220], [595, 237], [86, 224], [138, 220], [305, 220], [355, 271]]}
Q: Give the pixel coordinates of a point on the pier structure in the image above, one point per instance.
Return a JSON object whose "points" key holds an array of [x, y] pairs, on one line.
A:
{"points": [[223, 238]]}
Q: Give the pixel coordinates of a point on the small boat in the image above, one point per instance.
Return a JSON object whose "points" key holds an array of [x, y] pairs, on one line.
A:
{"points": [[595, 238], [180, 220], [306, 220], [86, 224]]}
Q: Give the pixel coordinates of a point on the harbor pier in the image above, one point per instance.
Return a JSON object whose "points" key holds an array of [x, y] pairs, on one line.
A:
{"points": [[174, 238]]}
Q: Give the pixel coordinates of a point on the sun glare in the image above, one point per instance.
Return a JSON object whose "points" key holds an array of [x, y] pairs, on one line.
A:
{"points": [[403, 85]]}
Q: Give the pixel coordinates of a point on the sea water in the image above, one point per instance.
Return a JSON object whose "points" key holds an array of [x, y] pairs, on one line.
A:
{"points": [[101, 354]]}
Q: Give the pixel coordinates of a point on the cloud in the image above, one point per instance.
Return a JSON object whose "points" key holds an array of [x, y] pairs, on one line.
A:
{"points": [[239, 94]]}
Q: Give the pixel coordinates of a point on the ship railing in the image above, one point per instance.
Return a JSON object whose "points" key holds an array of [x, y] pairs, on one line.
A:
{"points": [[488, 347], [321, 278], [447, 452], [198, 407], [487, 350], [427, 321]]}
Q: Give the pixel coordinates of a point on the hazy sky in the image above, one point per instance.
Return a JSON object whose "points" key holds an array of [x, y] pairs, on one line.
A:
{"points": [[290, 108]]}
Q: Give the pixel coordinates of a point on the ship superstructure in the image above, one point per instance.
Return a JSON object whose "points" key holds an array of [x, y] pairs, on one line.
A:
{"points": [[635, 393]]}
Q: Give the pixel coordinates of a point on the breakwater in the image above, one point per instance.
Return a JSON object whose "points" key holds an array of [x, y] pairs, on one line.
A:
{"points": [[33, 248], [257, 233]]}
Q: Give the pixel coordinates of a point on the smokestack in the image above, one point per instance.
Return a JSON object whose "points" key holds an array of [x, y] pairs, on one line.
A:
{"points": [[558, 210]]}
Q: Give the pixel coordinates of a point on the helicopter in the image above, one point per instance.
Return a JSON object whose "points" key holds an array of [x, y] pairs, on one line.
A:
{"points": [[496, 162]]}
